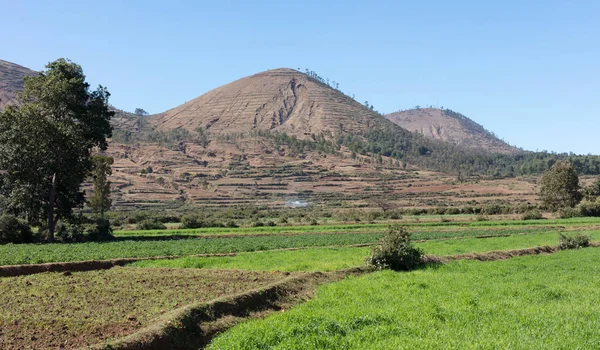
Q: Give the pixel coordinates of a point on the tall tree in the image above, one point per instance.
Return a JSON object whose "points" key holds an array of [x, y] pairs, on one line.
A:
{"points": [[100, 201], [559, 186], [46, 143]]}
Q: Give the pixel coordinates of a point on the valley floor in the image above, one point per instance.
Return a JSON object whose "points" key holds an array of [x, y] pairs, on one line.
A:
{"points": [[527, 302]]}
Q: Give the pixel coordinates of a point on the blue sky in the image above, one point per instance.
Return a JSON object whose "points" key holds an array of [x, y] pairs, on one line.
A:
{"points": [[527, 70]]}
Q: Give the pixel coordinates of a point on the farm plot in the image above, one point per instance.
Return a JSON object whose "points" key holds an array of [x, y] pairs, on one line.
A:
{"points": [[12, 254], [330, 259], [529, 302], [55, 310]]}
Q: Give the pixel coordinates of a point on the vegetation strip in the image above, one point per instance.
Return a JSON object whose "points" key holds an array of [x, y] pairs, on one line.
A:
{"points": [[80, 266], [498, 254], [193, 326], [92, 265]]}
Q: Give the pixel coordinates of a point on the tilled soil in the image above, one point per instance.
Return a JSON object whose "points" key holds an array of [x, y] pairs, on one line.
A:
{"points": [[71, 310]]}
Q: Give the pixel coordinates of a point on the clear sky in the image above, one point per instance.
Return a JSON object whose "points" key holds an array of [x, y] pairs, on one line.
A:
{"points": [[527, 70]]}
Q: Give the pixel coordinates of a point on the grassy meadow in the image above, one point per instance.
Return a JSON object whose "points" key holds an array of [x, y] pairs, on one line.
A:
{"points": [[530, 302]]}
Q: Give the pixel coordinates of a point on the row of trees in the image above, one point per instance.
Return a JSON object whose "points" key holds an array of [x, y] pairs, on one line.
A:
{"points": [[46, 147]]}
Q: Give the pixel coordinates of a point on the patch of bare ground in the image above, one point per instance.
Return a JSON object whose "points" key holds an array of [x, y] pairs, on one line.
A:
{"points": [[72, 310], [193, 326]]}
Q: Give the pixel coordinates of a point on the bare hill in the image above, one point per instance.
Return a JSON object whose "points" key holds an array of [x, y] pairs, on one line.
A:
{"points": [[11, 81], [280, 100], [449, 126]]}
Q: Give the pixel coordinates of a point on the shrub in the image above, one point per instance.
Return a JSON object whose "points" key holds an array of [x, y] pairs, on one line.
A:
{"points": [[566, 213], [270, 223], [13, 230], [492, 209], [84, 230], [588, 208], [396, 251], [573, 242], [192, 221], [151, 224], [481, 218], [314, 222], [258, 224], [232, 224], [395, 215], [532, 215]]}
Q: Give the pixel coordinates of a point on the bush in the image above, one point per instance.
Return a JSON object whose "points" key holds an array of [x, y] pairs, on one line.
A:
{"points": [[574, 242], [314, 222], [232, 224], [258, 224], [532, 215], [588, 208], [151, 224], [566, 213], [192, 221], [481, 218], [270, 223], [396, 252], [13, 230], [84, 230]]}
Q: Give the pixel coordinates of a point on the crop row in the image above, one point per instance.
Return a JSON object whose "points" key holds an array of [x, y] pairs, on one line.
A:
{"points": [[12, 254]]}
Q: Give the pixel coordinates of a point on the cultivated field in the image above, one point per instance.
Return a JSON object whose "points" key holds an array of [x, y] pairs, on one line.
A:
{"points": [[174, 277]]}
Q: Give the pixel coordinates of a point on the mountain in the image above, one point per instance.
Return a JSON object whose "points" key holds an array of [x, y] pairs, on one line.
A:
{"points": [[283, 100], [449, 126], [11, 81]]}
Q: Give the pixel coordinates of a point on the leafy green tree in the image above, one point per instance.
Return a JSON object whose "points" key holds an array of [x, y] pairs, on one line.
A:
{"points": [[560, 186], [46, 143], [100, 200]]}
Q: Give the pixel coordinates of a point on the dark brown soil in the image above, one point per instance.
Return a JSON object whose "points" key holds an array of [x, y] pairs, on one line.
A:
{"points": [[57, 310]]}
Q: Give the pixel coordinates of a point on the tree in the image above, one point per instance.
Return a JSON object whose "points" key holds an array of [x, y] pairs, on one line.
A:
{"points": [[140, 112], [100, 201], [559, 186], [384, 204], [46, 143]]}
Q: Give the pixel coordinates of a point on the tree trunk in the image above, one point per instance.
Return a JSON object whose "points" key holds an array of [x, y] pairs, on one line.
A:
{"points": [[51, 200]]}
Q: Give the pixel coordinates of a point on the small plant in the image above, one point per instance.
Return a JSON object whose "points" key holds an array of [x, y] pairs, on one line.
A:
{"points": [[396, 251], [270, 223], [532, 215], [314, 222], [444, 219], [573, 242], [258, 224], [151, 224]]}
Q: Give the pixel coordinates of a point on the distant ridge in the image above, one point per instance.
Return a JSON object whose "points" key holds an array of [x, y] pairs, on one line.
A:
{"points": [[11, 81], [449, 126]]}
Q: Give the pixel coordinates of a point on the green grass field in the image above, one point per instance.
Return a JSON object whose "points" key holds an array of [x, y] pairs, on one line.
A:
{"points": [[535, 302], [11, 254], [363, 228], [313, 259], [330, 259]]}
